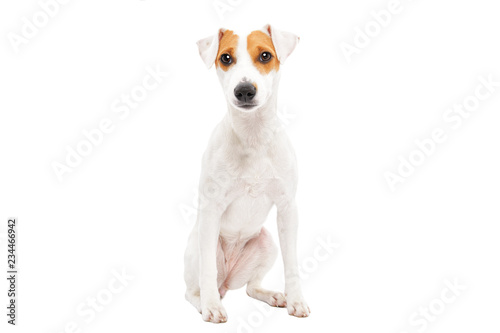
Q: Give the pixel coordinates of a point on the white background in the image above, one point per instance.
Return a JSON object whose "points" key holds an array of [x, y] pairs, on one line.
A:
{"points": [[121, 207]]}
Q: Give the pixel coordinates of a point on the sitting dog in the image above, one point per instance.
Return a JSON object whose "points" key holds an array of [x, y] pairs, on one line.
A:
{"points": [[248, 167]]}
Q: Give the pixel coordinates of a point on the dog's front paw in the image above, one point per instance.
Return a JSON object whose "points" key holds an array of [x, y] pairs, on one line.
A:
{"points": [[214, 312], [297, 307]]}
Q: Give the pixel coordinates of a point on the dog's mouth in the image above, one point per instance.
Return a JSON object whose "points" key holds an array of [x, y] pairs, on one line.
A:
{"points": [[246, 106]]}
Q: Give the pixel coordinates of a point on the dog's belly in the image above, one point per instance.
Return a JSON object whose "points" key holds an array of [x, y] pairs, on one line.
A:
{"points": [[245, 216]]}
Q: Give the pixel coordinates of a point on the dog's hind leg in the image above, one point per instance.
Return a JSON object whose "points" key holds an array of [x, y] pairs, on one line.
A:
{"points": [[269, 252], [255, 260]]}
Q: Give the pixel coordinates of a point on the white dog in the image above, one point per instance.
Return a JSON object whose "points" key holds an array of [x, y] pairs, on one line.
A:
{"points": [[249, 165]]}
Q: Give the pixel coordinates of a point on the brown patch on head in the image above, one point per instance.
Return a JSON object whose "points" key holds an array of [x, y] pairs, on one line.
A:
{"points": [[227, 44], [258, 42]]}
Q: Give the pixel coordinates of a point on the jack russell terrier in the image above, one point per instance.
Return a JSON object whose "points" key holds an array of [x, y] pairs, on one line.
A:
{"points": [[248, 167]]}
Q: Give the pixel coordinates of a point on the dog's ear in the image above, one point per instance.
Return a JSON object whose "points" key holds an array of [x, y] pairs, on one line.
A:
{"points": [[284, 42], [209, 46]]}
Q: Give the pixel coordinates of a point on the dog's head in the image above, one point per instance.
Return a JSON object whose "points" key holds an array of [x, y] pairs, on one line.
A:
{"points": [[248, 66]]}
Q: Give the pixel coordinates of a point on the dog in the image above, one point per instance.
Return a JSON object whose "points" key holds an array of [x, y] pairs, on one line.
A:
{"points": [[248, 167]]}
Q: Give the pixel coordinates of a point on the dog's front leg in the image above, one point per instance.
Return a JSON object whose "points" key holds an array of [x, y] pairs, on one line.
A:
{"points": [[209, 225], [287, 230]]}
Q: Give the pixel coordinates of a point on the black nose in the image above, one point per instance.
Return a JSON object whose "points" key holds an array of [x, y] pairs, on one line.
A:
{"points": [[244, 92]]}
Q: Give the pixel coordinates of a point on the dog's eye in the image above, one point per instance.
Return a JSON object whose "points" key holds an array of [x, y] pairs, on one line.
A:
{"points": [[226, 59], [265, 57]]}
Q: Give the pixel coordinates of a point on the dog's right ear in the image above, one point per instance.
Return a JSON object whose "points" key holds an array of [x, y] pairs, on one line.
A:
{"points": [[209, 46]]}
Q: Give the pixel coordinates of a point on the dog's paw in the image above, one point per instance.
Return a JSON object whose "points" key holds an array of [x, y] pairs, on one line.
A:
{"points": [[214, 312], [297, 307], [277, 299]]}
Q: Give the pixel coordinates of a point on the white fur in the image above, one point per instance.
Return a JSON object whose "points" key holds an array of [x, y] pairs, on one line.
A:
{"points": [[284, 42], [208, 48], [249, 166]]}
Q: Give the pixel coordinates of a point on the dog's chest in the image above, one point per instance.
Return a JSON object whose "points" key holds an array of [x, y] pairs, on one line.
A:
{"points": [[257, 171], [256, 186], [249, 208]]}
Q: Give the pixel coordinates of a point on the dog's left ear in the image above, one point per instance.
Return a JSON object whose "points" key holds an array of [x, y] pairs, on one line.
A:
{"points": [[284, 42], [209, 46]]}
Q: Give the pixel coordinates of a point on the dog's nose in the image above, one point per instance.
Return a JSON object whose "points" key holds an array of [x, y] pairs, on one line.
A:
{"points": [[244, 92]]}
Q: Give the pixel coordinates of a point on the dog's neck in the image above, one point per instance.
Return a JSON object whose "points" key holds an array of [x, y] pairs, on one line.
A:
{"points": [[257, 128]]}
